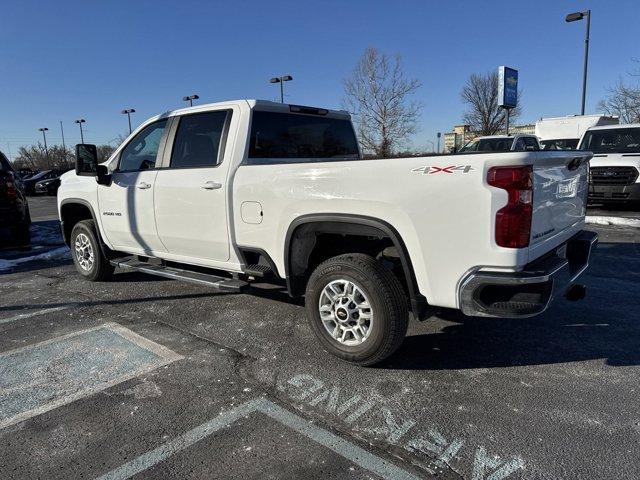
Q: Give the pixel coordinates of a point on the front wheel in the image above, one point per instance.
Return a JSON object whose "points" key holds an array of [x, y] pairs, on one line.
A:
{"points": [[357, 308], [87, 254]]}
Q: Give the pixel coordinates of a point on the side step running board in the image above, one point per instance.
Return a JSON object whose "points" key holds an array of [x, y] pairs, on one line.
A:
{"points": [[221, 283]]}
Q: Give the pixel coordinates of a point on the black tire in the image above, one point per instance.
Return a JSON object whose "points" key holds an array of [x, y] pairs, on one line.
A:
{"points": [[100, 268], [386, 297]]}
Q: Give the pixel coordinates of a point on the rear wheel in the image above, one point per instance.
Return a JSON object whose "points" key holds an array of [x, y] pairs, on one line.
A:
{"points": [[87, 254], [357, 308]]}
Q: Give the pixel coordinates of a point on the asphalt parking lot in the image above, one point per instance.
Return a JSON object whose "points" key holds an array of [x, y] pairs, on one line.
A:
{"points": [[149, 378]]}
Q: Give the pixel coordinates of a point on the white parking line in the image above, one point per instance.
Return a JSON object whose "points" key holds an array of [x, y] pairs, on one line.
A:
{"points": [[22, 316], [342, 447]]}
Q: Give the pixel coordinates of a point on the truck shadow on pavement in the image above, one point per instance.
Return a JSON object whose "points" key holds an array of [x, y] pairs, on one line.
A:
{"points": [[490, 343], [605, 325]]}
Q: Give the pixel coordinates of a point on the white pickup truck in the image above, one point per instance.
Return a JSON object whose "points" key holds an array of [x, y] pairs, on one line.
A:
{"points": [[615, 168], [227, 193]]}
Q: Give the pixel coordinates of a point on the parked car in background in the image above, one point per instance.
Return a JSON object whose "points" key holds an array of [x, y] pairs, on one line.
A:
{"points": [[14, 209], [24, 173], [30, 183], [502, 143], [615, 168], [564, 133], [48, 186]]}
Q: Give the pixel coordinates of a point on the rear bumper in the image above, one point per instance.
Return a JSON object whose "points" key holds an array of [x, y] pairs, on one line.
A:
{"points": [[530, 291], [614, 193]]}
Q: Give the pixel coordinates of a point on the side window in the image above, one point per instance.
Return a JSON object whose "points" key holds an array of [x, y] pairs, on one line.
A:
{"points": [[140, 153], [197, 142], [531, 144]]}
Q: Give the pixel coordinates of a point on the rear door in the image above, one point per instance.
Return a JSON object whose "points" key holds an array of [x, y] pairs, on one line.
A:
{"points": [[560, 187], [190, 189]]}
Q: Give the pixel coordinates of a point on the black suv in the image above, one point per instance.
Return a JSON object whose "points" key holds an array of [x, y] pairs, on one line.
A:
{"points": [[14, 209]]}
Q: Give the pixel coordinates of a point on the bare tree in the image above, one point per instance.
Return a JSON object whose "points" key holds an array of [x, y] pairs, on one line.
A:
{"points": [[104, 152], [35, 157], [624, 101], [378, 94], [480, 94]]}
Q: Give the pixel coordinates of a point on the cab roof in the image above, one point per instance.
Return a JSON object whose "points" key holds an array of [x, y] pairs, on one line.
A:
{"points": [[256, 104], [616, 126]]}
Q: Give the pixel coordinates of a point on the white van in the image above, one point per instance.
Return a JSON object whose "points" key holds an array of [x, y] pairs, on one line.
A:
{"points": [[563, 133]]}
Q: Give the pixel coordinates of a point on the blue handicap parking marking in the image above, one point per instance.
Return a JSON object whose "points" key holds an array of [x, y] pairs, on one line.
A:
{"points": [[44, 376]]}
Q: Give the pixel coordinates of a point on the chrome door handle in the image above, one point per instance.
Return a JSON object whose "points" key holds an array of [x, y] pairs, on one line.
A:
{"points": [[211, 185], [143, 185]]}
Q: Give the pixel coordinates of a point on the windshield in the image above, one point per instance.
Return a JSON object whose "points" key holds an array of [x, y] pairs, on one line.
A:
{"points": [[38, 176], [488, 145], [613, 140], [559, 144]]}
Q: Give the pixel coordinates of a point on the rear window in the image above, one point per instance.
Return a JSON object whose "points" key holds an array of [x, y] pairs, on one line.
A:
{"points": [[288, 138], [488, 145], [559, 144], [614, 140]]}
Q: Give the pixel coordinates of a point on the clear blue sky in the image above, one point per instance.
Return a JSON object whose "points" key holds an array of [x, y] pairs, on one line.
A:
{"points": [[64, 60]]}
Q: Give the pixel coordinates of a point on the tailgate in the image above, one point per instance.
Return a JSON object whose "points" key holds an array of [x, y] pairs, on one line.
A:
{"points": [[560, 185]]}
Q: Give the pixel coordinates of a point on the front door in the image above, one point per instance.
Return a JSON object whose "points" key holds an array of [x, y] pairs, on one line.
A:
{"points": [[190, 192], [126, 206]]}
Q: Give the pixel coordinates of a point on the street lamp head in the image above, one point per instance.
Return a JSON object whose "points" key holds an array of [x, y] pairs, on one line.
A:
{"points": [[81, 120], [190, 97], [574, 17], [284, 78], [128, 110], [44, 129]]}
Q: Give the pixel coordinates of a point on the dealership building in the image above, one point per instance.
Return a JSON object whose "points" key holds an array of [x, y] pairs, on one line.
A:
{"points": [[462, 134]]}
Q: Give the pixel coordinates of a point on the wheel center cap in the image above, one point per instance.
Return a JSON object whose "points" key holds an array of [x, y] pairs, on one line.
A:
{"points": [[342, 314]]}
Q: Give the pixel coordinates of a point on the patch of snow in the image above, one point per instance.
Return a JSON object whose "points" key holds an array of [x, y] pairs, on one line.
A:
{"points": [[617, 221], [61, 253]]}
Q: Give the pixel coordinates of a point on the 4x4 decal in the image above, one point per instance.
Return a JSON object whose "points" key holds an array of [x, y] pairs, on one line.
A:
{"points": [[450, 169]]}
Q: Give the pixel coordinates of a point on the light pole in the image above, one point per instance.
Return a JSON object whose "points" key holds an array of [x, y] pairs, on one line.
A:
{"points": [[574, 17], [281, 80], [80, 121], [128, 112], [190, 99], [439, 135], [44, 137]]}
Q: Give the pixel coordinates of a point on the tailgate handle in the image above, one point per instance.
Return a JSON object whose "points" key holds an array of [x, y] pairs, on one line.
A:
{"points": [[575, 163]]}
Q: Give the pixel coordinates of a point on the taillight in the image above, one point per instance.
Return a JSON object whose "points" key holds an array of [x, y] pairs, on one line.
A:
{"points": [[10, 191], [513, 221]]}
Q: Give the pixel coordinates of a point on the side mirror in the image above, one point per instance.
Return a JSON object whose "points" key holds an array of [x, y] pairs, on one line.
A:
{"points": [[86, 160], [103, 177]]}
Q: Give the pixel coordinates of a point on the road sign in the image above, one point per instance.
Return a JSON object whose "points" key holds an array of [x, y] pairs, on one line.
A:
{"points": [[507, 87]]}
